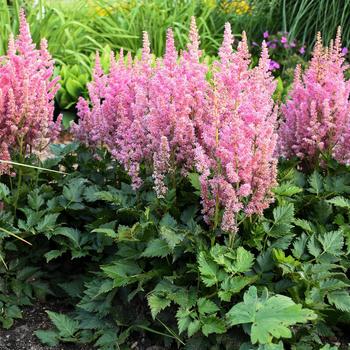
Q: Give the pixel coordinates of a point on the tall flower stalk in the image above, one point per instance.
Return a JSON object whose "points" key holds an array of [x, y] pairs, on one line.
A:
{"points": [[27, 93], [316, 122]]}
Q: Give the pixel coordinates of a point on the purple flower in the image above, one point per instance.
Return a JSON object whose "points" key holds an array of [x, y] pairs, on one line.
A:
{"points": [[293, 44], [302, 50], [266, 35], [344, 51], [286, 46], [255, 44], [274, 65], [284, 40], [273, 46]]}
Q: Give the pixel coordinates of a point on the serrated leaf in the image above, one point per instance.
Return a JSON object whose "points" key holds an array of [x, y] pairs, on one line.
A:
{"points": [[193, 327], [66, 326], [299, 246], [108, 339], [212, 324], [316, 183], [194, 179], [340, 202], [106, 231], [304, 224], [233, 285], [314, 247], [270, 317], [208, 269], [183, 319], [49, 338], [53, 254], [332, 242], [206, 306], [4, 191], [157, 304], [287, 190], [172, 237], [71, 233], [283, 217], [47, 223], [340, 299], [244, 260], [156, 248]]}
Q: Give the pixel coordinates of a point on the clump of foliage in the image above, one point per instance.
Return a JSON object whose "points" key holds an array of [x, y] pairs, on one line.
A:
{"points": [[142, 257]]}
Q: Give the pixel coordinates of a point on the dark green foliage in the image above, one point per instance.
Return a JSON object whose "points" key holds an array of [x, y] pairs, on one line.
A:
{"points": [[131, 264]]}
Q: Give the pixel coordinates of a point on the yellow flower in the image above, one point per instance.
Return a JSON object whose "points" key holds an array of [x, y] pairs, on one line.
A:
{"points": [[239, 7], [210, 3]]}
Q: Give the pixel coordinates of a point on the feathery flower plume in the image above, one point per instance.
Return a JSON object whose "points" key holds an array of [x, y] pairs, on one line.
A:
{"points": [[27, 91], [317, 116], [239, 141]]}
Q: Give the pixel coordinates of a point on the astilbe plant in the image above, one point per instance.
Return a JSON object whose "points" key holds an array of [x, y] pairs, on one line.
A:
{"points": [[316, 121], [27, 91], [235, 153], [168, 115], [146, 111]]}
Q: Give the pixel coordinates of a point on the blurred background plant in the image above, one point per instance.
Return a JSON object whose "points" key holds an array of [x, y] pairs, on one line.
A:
{"points": [[76, 29]]}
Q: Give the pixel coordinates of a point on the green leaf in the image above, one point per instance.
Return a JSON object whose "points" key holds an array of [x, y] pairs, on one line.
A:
{"points": [[244, 260], [340, 299], [206, 306], [315, 181], [35, 200], [172, 237], [4, 191], [53, 254], [233, 285], [71, 233], [332, 242], [48, 222], [156, 248], [208, 269], [212, 324], [340, 202], [194, 179], [193, 327], [183, 319], [283, 217], [106, 231], [74, 190], [304, 224], [299, 246], [269, 317], [74, 87], [65, 325], [287, 190], [49, 338], [108, 339], [157, 304], [314, 247]]}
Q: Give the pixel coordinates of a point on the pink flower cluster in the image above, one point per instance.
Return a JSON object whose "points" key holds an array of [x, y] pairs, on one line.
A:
{"points": [[176, 114], [317, 117], [26, 97], [235, 153]]}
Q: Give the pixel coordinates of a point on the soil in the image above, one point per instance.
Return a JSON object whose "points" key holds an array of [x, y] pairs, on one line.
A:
{"points": [[21, 335]]}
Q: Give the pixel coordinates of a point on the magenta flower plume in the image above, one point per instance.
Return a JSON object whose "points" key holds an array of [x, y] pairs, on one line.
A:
{"points": [[27, 91], [317, 116]]}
